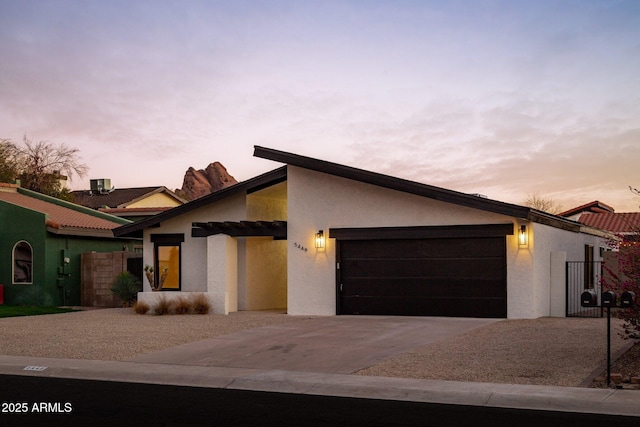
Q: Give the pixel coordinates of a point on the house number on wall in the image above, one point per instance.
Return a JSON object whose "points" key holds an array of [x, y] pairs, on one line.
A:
{"points": [[299, 246]]}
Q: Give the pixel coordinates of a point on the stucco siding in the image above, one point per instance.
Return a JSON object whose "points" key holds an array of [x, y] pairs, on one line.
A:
{"points": [[548, 243], [194, 249], [154, 201], [266, 286], [320, 201], [268, 204]]}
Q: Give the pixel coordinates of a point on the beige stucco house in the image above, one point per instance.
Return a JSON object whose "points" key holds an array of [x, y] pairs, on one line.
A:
{"points": [[386, 246], [131, 203]]}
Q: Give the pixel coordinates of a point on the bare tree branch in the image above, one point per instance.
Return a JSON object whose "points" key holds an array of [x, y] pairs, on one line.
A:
{"points": [[543, 204], [40, 165]]}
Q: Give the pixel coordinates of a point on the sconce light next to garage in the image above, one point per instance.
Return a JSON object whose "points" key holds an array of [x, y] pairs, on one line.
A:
{"points": [[523, 236], [320, 239]]}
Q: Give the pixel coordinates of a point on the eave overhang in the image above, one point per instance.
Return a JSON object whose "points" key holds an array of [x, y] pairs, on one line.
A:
{"points": [[80, 232], [419, 189], [275, 229], [249, 186]]}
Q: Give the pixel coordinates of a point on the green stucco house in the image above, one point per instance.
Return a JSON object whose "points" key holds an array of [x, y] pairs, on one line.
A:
{"points": [[41, 240]]}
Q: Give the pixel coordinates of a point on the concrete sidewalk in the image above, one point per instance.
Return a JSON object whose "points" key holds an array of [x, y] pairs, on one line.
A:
{"points": [[567, 399]]}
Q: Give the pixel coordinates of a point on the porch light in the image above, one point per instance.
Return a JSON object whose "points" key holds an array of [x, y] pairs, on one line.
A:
{"points": [[523, 236], [320, 239]]}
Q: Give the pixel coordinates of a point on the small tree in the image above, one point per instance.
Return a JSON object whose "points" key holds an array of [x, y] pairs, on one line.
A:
{"points": [[126, 287], [8, 161], [40, 165]]}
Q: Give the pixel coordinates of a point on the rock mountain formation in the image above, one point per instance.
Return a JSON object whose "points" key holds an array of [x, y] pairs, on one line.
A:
{"points": [[198, 183]]}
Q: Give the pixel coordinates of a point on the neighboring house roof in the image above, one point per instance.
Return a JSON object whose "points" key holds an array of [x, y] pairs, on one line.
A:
{"points": [[373, 178], [64, 217], [134, 211], [623, 223], [251, 185], [595, 206], [120, 197]]}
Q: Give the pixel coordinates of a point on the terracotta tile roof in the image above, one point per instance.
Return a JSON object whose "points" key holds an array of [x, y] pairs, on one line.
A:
{"points": [[595, 206], [116, 211], [615, 222], [59, 216]]}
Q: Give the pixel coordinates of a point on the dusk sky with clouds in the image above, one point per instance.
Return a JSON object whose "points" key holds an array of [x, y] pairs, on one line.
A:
{"points": [[499, 97]]}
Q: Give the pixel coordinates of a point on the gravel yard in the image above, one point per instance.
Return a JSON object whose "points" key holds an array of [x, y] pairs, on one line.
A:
{"points": [[546, 351], [119, 333]]}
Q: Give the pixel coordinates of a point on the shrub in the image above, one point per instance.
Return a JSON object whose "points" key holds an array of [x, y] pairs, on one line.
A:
{"points": [[200, 304], [181, 306], [141, 307], [163, 307], [126, 287]]}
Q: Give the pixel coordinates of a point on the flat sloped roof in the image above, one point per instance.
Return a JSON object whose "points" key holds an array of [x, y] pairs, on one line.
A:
{"points": [[412, 187], [373, 178]]}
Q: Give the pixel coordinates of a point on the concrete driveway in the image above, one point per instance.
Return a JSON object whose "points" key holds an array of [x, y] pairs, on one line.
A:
{"points": [[333, 344]]}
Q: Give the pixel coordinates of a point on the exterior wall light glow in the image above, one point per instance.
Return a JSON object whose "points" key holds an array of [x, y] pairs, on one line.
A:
{"points": [[320, 239], [523, 236]]}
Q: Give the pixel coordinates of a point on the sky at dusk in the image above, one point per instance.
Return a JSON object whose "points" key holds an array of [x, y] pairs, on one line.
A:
{"points": [[500, 97]]}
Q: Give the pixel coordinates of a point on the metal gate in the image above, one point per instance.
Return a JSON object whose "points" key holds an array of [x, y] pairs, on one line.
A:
{"points": [[580, 276], [134, 266]]}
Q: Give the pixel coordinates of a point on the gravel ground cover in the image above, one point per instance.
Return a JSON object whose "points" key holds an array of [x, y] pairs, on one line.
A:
{"points": [[546, 351], [119, 333]]}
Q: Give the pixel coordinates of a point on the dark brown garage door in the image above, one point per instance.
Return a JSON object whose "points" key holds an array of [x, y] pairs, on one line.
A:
{"points": [[462, 277]]}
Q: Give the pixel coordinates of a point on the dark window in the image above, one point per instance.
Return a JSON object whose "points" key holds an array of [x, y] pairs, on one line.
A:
{"points": [[22, 263]]}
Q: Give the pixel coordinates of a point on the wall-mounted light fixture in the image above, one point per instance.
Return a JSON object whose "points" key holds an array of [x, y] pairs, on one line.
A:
{"points": [[320, 239], [523, 236]]}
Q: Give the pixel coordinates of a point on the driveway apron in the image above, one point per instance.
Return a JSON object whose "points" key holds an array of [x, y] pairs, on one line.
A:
{"points": [[333, 344]]}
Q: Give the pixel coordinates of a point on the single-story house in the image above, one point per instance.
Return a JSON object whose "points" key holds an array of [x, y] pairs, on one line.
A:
{"points": [[41, 240], [130, 203], [320, 238]]}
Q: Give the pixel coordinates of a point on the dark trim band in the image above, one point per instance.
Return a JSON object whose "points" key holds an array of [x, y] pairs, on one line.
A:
{"points": [[422, 232]]}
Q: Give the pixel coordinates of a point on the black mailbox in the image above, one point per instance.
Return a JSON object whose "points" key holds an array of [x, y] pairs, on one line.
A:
{"points": [[609, 299], [628, 299], [589, 298]]}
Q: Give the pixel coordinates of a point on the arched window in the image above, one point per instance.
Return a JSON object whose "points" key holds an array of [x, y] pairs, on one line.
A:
{"points": [[22, 263]]}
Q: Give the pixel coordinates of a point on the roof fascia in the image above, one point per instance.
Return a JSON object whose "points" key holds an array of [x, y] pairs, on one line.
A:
{"points": [[586, 209], [555, 221], [261, 181], [412, 187], [157, 190], [80, 232], [72, 206], [393, 183]]}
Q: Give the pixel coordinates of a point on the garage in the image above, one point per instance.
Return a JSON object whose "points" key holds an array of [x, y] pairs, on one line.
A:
{"points": [[455, 271]]}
